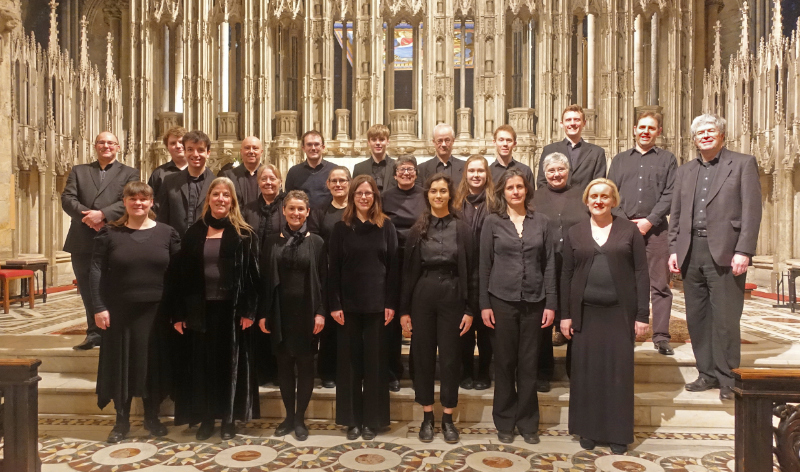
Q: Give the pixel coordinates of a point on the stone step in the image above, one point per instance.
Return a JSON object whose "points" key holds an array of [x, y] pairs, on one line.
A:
{"points": [[655, 404]]}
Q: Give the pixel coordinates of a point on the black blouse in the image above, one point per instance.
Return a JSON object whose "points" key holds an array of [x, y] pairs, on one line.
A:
{"points": [[404, 207], [440, 248], [564, 207]]}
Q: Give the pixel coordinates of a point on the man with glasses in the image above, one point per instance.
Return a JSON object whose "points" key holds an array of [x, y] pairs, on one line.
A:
{"points": [[379, 165], [403, 204], [645, 176], [443, 139], [713, 231], [92, 197], [311, 175], [505, 140], [245, 176], [586, 161]]}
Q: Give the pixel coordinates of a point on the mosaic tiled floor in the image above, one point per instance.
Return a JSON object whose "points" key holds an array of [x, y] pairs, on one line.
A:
{"points": [[398, 450]]}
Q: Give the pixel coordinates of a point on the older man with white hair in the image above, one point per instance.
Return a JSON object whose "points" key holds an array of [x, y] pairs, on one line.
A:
{"points": [[443, 139], [713, 230]]}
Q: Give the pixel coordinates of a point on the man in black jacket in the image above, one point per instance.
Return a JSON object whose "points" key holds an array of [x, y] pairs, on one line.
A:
{"points": [[443, 139], [378, 165], [173, 141], [92, 197], [586, 161], [245, 176], [184, 193]]}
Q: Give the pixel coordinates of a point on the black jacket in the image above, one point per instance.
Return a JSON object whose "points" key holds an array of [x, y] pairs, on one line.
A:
{"points": [[627, 260], [591, 164], [365, 168], [186, 290], [173, 204], [467, 269]]}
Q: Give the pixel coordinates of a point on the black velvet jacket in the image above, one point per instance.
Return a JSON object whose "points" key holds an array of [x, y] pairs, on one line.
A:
{"points": [[187, 284], [467, 269]]}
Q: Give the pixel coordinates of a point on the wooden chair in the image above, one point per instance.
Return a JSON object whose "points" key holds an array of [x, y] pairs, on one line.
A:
{"points": [[7, 275]]}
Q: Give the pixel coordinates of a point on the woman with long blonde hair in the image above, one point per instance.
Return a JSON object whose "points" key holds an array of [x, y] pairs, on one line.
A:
{"points": [[215, 294]]}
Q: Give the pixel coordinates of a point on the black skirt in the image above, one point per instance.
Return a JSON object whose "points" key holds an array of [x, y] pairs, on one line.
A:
{"points": [[601, 379]]}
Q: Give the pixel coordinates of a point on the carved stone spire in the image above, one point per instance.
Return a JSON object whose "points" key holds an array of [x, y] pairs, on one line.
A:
{"points": [[109, 56], [717, 63], [777, 20], [84, 53], [52, 44], [745, 39]]}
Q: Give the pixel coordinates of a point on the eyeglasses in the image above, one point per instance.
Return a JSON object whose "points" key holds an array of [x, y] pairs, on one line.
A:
{"points": [[710, 132], [105, 143], [338, 181], [406, 170], [364, 194], [444, 141], [559, 170]]}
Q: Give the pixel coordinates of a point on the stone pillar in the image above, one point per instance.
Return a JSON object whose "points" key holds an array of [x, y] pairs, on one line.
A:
{"points": [[342, 124], [416, 73], [637, 60], [402, 123], [228, 126], [579, 98], [464, 121], [389, 66], [179, 68], [345, 43], [225, 47], [590, 52], [286, 123], [463, 74], [165, 71], [654, 59]]}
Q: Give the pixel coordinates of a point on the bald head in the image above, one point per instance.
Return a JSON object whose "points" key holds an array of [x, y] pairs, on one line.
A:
{"points": [[106, 146], [251, 152]]}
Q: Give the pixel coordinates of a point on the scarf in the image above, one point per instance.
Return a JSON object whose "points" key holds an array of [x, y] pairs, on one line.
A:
{"points": [[294, 238], [215, 223]]}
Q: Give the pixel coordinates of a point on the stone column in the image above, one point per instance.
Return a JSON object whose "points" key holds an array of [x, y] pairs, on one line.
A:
{"points": [[9, 21], [225, 47], [179, 68], [463, 72], [345, 43], [654, 59], [637, 61], [165, 72], [389, 66], [580, 63], [416, 73], [464, 121], [590, 52], [342, 124]]}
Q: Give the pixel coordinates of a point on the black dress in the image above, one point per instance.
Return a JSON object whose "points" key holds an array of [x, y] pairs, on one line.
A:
{"points": [[128, 272]]}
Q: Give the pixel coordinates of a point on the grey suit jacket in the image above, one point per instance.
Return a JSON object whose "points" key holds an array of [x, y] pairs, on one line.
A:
{"points": [[173, 207], [733, 211], [591, 164], [365, 168], [84, 191], [428, 168]]}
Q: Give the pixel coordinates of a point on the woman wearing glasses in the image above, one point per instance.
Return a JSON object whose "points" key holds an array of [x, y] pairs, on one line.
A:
{"points": [[363, 292]]}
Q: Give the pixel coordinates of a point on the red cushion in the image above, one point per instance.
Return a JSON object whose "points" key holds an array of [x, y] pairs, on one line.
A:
{"points": [[9, 273], [750, 286]]}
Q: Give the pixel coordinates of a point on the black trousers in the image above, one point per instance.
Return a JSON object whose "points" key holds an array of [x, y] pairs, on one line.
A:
{"points": [[657, 244], [517, 335], [394, 338], [81, 266], [296, 389], [546, 359], [483, 335], [266, 364], [436, 314], [326, 361], [714, 304], [362, 388]]}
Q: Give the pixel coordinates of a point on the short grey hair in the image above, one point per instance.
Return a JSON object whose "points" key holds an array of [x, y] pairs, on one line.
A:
{"points": [[708, 119], [444, 127], [555, 158]]}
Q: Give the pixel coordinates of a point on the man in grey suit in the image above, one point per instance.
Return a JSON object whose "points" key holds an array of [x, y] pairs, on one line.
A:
{"points": [[713, 230], [443, 138], [92, 197], [586, 161], [379, 165], [184, 193], [245, 176]]}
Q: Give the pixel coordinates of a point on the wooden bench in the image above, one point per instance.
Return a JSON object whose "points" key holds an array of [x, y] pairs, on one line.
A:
{"points": [[6, 276]]}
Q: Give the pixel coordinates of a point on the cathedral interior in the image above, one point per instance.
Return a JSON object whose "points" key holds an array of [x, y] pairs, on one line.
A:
{"points": [[276, 68]]}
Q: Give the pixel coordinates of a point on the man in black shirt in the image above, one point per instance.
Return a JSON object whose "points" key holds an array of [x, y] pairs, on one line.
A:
{"points": [[173, 141], [505, 140], [379, 165], [184, 193], [311, 175], [443, 138], [245, 176], [586, 161], [645, 176]]}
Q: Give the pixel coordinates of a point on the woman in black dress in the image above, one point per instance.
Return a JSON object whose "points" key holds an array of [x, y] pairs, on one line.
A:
{"points": [[563, 204], [439, 279], [216, 283], [604, 306], [265, 217], [321, 222], [517, 298], [363, 293], [293, 308], [474, 198], [129, 262]]}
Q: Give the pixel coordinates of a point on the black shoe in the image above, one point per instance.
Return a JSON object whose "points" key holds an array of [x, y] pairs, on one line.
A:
{"points": [[118, 433], [284, 428], [664, 348], [394, 385], [155, 427], [329, 384], [482, 384], [353, 433], [726, 393], [426, 431], [301, 432], [505, 437], [542, 385], [467, 384], [619, 449], [367, 433], [450, 433], [227, 431], [587, 444], [701, 385], [88, 343], [531, 438], [205, 430]]}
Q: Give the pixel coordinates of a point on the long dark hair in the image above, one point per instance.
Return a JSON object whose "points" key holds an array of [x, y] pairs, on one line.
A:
{"points": [[375, 214], [500, 205], [424, 221]]}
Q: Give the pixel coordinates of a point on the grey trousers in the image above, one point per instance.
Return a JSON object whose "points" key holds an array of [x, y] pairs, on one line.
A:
{"points": [[657, 245]]}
